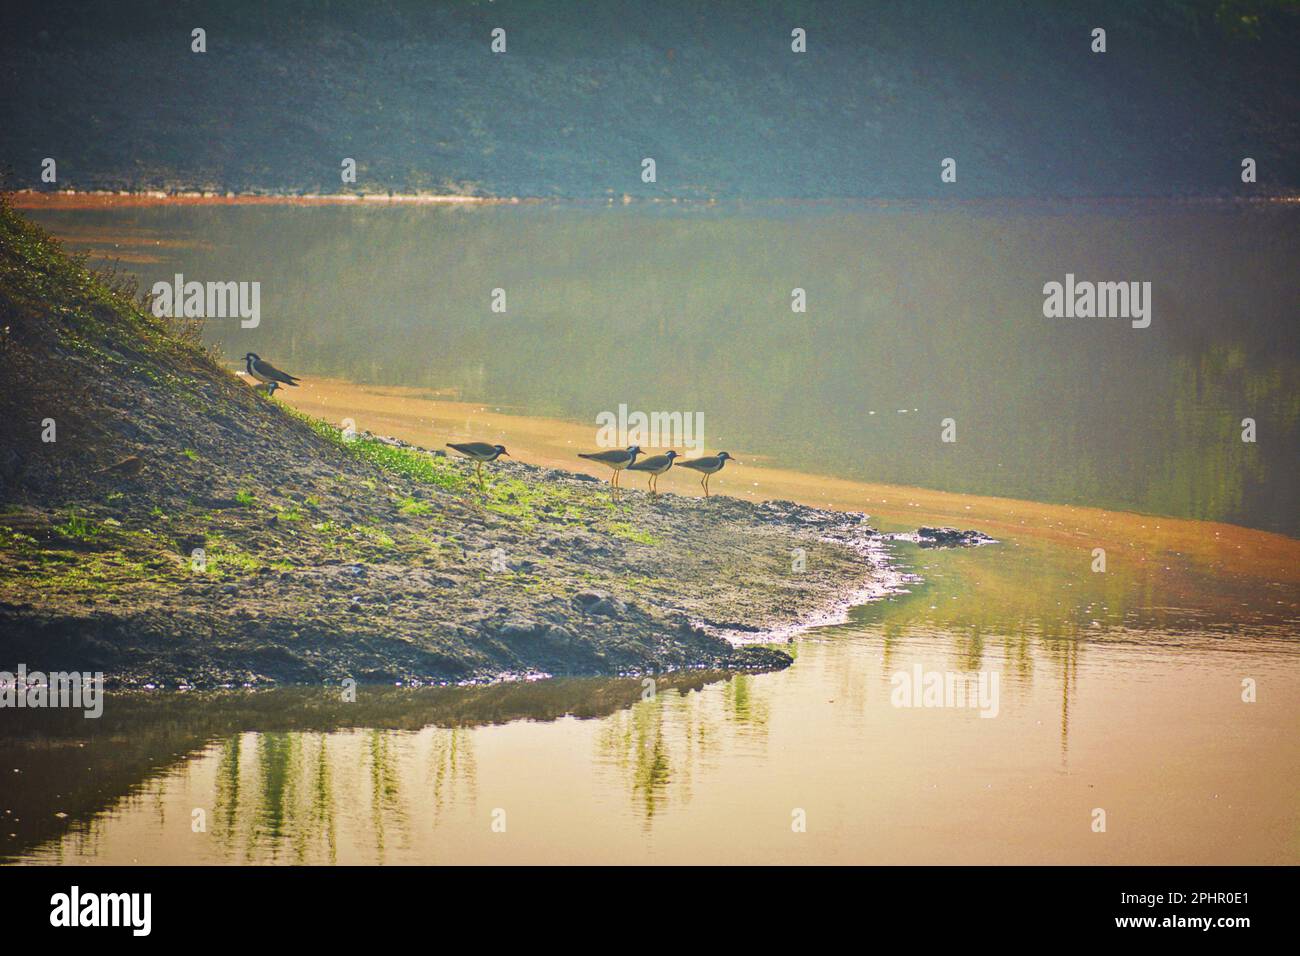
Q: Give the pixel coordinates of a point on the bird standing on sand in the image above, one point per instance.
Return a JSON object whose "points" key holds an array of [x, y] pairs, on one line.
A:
{"points": [[479, 452], [616, 458], [655, 466], [707, 466], [265, 372]]}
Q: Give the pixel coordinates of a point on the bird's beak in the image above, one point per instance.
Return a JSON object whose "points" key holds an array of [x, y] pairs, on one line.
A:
{"points": [[507, 454]]}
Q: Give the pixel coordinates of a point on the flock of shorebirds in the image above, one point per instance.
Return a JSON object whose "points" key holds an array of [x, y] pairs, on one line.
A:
{"points": [[655, 465], [481, 453], [617, 459]]}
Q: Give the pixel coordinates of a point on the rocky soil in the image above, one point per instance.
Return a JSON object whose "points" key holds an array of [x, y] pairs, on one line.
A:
{"points": [[470, 589]]}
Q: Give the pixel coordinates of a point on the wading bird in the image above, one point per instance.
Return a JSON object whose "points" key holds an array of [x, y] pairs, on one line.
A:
{"points": [[265, 372], [479, 452], [655, 466], [707, 466], [616, 458], [266, 388]]}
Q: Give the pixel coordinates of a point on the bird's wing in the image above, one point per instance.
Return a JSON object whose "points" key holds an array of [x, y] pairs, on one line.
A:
{"points": [[609, 457], [270, 371], [699, 463], [650, 464], [473, 448]]}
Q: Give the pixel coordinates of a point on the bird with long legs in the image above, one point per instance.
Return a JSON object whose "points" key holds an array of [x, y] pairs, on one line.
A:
{"points": [[707, 466], [615, 458], [479, 452], [654, 466]]}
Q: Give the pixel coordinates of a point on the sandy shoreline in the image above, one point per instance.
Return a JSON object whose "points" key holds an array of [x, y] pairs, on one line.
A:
{"points": [[430, 418]]}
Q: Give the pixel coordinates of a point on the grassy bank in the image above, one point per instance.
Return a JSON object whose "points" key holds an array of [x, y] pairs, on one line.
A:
{"points": [[166, 524]]}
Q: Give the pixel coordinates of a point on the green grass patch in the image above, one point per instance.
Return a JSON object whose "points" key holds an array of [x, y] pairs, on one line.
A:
{"points": [[377, 536], [408, 462], [417, 465], [533, 503], [529, 504], [103, 574], [11, 540], [291, 513], [78, 527], [225, 561], [414, 507], [629, 532]]}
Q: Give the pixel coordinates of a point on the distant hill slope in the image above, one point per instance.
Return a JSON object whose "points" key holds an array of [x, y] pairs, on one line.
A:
{"points": [[711, 91]]}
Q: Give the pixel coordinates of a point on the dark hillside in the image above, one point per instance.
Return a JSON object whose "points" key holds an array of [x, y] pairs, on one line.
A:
{"points": [[118, 382]]}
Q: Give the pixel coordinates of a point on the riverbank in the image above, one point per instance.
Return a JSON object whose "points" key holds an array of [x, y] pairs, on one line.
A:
{"points": [[167, 525], [1182, 557]]}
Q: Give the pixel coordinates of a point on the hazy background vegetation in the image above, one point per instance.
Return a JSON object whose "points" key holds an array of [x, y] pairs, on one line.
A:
{"points": [[710, 90]]}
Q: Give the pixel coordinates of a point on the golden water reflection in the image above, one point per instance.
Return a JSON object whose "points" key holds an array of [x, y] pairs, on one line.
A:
{"points": [[1120, 690]]}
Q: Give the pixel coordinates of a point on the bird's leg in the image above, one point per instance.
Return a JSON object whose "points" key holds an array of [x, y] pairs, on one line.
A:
{"points": [[706, 486]]}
